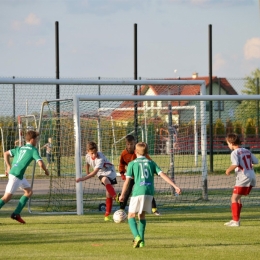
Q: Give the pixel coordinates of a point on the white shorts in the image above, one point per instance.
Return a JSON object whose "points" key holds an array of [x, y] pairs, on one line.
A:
{"points": [[14, 183], [141, 203]]}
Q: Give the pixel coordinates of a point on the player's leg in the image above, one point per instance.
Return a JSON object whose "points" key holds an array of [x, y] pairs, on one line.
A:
{"points": [[236, 206], [48, 156], [154, 208], [110, 195], [127, 194], [23, 200], [109, 186], [146, 207], [141, 227], [134, 206], [7, 196]]}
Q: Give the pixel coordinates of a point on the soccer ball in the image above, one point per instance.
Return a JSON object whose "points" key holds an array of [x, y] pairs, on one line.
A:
{"points": [[119, 216]]}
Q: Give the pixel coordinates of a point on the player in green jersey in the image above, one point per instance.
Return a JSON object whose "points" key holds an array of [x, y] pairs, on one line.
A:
{"points": [[142, 170], [22, 158]]}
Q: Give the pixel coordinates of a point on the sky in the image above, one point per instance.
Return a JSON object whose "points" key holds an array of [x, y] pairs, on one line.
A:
{"points": [[96, 38]]}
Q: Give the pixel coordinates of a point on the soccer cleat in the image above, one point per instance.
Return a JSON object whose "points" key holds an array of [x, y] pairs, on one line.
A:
{"points": [[142, 244], [137, 242], [232, 223], [107, 218], [18, 218], [117, 197], [157, 213]]}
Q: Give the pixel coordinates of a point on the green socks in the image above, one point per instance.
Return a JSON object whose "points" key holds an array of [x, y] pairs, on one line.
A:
{"points": [[21, 204], [2, 203], [142, 224], [133, 227]]}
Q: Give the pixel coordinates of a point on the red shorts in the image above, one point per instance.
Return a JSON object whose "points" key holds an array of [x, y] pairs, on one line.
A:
{"points": [[242, 190]]}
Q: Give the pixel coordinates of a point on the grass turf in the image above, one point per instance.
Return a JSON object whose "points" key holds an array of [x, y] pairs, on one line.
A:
{"points": [[183, 234]]}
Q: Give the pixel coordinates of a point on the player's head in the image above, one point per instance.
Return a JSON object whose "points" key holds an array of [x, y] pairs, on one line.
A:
{"points": [[130, 143], [233, 140], [31, 137], [49, 139], [92, 149], [141, 148]]}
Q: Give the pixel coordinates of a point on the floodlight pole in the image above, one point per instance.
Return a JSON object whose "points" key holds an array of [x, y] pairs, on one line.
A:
{"points": [[58, 142], [135, 87]]}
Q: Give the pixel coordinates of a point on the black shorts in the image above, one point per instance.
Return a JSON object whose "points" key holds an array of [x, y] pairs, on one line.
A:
{"points": [[112, 181]]}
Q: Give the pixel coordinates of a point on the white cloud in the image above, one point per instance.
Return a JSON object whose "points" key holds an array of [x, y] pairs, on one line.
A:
{"points": [[32, 19], [252, 49], [218, 62], [16, 25]]}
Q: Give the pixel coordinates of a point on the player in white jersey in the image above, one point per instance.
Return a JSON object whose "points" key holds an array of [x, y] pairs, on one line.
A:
{"points": [[105, 171], [242, 161]]}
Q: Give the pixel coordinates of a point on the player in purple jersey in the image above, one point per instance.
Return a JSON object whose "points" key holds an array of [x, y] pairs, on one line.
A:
{"points": [[242, 161], [22, 158]]}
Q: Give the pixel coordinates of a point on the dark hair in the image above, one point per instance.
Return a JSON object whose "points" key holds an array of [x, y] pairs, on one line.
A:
{"points": [[31, 135], [233, 139], [130, 138], [91, 146]]}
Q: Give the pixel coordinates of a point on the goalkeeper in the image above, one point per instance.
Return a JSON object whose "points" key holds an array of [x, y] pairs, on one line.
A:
{"points": [[127, 156], [105, 171]]}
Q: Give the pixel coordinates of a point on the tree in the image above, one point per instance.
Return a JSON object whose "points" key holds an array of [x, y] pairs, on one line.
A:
{"points": [[249, 107]]}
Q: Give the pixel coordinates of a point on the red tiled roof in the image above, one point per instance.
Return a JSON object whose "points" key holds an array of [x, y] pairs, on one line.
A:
{"points": [[172, 90]]}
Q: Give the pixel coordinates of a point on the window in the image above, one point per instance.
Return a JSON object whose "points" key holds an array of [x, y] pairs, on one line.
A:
{"points": [[218, 105]]}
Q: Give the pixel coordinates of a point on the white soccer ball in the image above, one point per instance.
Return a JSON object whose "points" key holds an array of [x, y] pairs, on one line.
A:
{"points": [[119, 216]]}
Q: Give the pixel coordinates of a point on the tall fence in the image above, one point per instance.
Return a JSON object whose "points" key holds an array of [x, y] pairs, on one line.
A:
{"points": [[108, 126]]}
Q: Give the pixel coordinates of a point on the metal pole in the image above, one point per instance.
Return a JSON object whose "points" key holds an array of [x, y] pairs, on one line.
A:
{"points": [[135, 87], [58, 142], [99, 121], [210, 102], [171, 141], [257, 87], [14, 119]]}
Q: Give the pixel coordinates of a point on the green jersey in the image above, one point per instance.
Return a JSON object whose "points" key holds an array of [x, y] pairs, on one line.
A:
{"points": [[143, 170], [22, 158]]}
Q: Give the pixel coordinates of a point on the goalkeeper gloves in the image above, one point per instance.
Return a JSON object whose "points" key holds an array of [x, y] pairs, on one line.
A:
{"points": [[122, 176]]}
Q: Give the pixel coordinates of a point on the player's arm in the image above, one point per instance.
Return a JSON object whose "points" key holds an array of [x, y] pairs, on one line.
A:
{"points": [[167, 179], [42, 165], [7, 156], [88, 176], [230, 169], [43, 146]]}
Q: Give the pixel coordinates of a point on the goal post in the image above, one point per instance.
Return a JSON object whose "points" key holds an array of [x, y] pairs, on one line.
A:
{"points": [[78, 139]]}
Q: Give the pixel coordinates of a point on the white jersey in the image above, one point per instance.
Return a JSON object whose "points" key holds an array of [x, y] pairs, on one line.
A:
{"points": [[106, 168], [245, 174]]}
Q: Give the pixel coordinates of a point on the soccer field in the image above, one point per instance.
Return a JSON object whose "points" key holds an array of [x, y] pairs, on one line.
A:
{"points": [[180, 234]]}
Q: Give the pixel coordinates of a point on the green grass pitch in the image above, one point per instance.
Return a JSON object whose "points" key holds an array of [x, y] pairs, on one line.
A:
{"points": [[179, 234]]}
